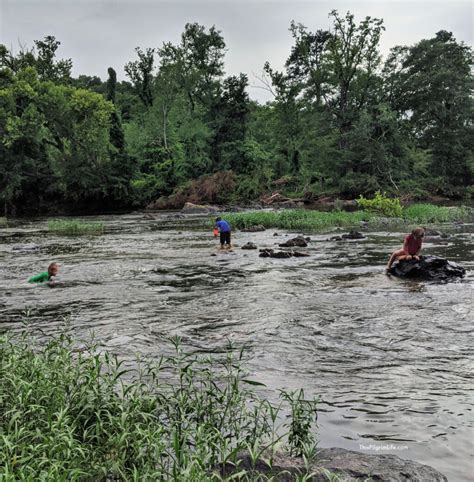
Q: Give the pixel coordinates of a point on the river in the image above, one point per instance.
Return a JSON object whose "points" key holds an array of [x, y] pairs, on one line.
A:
{"points": [[390, 359]]}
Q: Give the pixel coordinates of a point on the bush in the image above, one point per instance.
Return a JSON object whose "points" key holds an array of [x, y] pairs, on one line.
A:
{"points": [[381, 204], [3, 221], [81, 415]]}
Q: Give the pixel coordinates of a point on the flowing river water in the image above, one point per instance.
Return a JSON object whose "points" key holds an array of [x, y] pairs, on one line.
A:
{"points": [[391, 359]]}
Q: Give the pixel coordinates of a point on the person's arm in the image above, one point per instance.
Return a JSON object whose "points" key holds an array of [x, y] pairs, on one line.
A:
{"points": [[405, 247], [417, 254]]}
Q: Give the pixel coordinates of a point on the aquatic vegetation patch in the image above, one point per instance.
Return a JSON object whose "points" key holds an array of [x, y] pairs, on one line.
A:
{"points": [[80, 414], [74, 227], [429, 213], [297, 219], [308, 220]]}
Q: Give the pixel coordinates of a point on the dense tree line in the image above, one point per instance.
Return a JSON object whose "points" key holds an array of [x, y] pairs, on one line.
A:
{"points": [[342, 122]]}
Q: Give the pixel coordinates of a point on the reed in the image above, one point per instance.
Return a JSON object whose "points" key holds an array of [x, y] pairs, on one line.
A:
{"points": [[74, 227], [69, 414]]}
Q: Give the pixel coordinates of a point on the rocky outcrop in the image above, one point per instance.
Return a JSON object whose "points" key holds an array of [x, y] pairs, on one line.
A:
{"points": [[347, 465], [249, 245], [190, 208], [429, 268], [299, 241], [253, 229]]}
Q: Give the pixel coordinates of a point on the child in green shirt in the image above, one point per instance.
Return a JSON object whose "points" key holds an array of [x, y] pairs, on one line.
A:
{"points": [[53, 270]]}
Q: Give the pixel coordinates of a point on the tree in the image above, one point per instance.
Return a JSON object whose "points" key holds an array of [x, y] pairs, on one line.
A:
{"points": [[140, 73], [430, 84]]}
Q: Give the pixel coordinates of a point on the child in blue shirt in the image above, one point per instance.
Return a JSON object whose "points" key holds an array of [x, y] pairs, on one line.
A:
{"points": [[224, 232]]}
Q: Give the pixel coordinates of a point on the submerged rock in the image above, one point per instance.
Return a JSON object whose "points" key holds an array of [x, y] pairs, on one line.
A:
{"points": [[428, 267], [26, 247], [300, 254], [254, 229], [299, 241], [347, 465], [350, 235], [249, 245], [270, 253]]}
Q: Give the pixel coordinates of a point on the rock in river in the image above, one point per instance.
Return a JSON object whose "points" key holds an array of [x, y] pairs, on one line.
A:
{"points": [[253, 229], [347, 465], [428, 267], [270, 253], [249, 245], [299, 241]]}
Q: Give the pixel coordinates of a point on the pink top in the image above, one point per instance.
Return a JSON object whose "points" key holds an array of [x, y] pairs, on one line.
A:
{"points": [[412, 245]]}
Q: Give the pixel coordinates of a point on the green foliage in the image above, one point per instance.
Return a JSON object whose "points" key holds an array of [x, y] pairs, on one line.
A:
{"points": [[83, 415], [3, 221], [303, 416], [381, 204], [428, 213], [338, 124], [298, 219], [69, 227]]}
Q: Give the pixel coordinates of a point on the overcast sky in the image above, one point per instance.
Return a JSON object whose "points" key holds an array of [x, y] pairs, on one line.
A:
{"points": [[97, 34]]}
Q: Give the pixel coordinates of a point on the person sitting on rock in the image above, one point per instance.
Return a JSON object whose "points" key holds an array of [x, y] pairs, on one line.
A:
{"points": [[224, 232], [411, 247]]}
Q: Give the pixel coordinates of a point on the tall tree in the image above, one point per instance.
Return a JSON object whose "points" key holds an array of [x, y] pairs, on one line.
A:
{"points": [[431, 85], [140, 73]]}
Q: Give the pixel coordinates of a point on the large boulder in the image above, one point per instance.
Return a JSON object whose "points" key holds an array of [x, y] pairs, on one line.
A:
{"points": [[429, 268], [347, 465], [352, 466]]}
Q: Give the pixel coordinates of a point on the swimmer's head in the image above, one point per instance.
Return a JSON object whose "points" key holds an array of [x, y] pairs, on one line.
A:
{"points": [[53, 269]]}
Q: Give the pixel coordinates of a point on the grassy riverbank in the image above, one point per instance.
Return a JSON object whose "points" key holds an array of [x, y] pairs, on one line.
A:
{"points": [[306, 220], [69, 414]]}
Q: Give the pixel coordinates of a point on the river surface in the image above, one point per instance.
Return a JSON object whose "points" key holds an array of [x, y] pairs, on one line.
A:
{"points": [[390, 359]]}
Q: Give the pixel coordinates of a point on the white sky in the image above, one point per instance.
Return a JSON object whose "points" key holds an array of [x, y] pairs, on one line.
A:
{"points": [[97, 34]]}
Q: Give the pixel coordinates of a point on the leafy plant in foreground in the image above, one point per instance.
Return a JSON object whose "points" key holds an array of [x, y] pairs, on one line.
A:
{"points": [[81, 414]]}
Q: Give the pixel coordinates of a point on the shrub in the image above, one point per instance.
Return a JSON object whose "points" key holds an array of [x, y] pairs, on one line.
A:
{"points": [[381, 204], [81, 415], [3, 221]]}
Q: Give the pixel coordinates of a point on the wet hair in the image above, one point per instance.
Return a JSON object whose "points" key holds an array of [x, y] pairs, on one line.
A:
{"points": [[51, 266], [218, 219], [418, 232]]}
